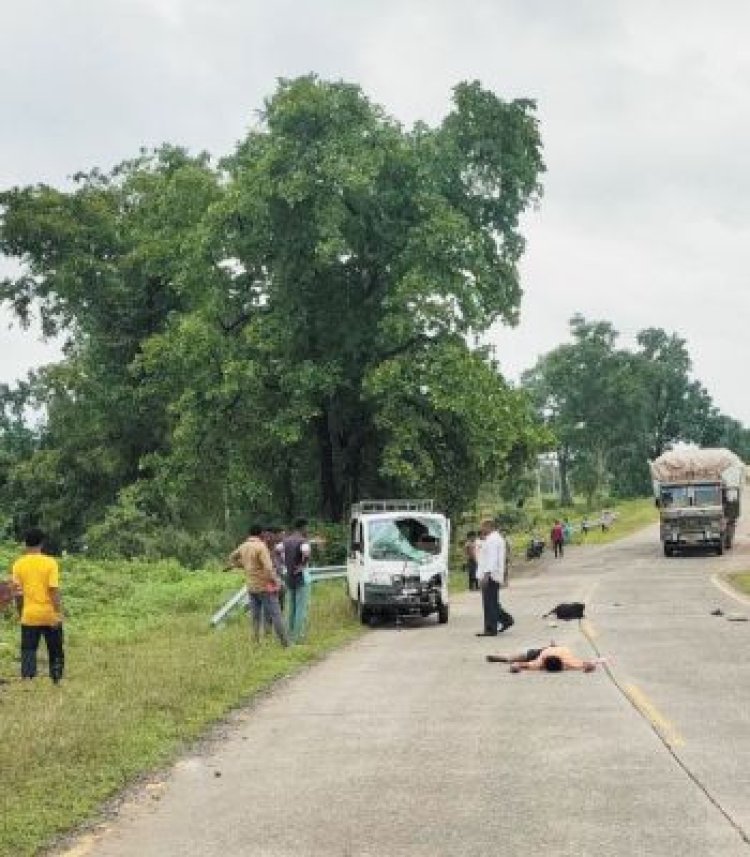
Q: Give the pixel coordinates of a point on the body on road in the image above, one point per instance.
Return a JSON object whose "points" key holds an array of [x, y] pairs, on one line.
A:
{"points": [[550, 658]]}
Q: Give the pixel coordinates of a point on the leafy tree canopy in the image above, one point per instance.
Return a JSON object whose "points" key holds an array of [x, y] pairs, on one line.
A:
{"points": [[613, 409], [285, 330]]}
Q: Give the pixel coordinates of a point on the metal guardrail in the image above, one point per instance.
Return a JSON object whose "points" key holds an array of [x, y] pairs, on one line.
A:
{"points": [[240, 599]]}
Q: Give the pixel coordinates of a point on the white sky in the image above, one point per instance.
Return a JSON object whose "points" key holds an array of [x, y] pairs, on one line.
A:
{"points": [[643, 108]]}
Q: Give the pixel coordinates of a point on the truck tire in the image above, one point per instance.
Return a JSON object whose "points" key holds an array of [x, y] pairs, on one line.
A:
{"points": [[363, 613], [443, 613], [668, 550], [720, 547]]}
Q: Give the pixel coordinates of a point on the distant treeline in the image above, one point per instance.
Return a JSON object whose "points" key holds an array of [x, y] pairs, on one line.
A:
{"points": [[612, 409]]}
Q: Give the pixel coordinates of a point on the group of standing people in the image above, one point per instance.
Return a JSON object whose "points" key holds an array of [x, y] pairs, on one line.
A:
{"points": [[275, 565], [487, 566]]}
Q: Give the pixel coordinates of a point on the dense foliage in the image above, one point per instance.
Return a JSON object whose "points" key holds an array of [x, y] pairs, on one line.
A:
{"points": [[282, 332], [612, 409]]}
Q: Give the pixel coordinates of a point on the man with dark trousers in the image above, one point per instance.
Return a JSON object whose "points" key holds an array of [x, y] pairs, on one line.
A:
{"points": [[295, 548], [36, 578], [491, 575], [262, 583]]}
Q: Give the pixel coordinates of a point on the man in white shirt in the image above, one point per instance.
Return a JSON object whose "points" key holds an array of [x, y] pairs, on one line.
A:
{"points": [[491, 575]]}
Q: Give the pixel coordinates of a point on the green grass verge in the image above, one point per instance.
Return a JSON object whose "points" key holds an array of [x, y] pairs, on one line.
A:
{"points": [[145, 674], [740, 582], [632, 515]]}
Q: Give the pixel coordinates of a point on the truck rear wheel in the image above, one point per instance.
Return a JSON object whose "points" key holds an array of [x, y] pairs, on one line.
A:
{"points": [[720, 548], [668, 549]]}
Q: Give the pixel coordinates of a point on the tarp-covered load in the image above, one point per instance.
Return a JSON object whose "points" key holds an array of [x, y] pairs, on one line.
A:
{"points": [[691, 464]]}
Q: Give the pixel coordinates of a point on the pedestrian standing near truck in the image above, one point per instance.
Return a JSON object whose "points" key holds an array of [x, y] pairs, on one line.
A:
{"points": [[296, 552], [262, 583], [36, 579], [491, 577]]}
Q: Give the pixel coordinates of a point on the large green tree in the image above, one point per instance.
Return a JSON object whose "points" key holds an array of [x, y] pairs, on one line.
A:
{"points": [[352, 258], [102, 263], [288, 330], [579, 390], [369, 247]]}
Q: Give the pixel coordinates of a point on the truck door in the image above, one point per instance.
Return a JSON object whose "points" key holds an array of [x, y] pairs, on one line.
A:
{"points": [[355, 558]]}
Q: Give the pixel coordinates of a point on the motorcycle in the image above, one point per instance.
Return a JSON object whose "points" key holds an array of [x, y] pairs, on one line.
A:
{"points": [[535, 548]]}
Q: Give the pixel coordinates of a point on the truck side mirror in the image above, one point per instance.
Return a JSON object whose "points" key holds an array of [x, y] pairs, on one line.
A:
{"points": [[356, 547], [657, 503]]}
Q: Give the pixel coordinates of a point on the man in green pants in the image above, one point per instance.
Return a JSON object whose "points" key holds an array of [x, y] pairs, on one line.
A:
{"points": [[295, 549]]}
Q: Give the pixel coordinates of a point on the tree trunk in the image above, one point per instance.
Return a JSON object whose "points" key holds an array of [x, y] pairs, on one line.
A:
{"points": [[565, 497], [329, 490], [287, 493]]}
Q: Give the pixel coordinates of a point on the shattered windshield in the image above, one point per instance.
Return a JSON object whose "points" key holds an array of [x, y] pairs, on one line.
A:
{"points": [[409, 538]]}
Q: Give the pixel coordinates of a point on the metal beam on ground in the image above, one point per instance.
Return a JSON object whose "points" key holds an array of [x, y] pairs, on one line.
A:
{"points": [[240, 598]]}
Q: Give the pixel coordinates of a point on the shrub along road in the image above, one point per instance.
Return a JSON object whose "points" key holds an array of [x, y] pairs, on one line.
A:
{"points": [[407, 742]]}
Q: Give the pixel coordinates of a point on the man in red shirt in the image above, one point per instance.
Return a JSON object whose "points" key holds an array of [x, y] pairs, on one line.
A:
{"points": [[558, 538]]}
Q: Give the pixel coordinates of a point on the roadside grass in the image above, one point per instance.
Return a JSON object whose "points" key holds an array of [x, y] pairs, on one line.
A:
{"points": [[740, 581], [632, 515], [145, 673]]}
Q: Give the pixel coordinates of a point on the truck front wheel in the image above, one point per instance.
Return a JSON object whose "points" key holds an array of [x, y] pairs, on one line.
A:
{"points": [[363, 613], [443, 613], [668, 549]]}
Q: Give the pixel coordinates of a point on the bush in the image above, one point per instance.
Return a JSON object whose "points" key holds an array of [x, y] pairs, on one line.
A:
{"points": [[333, 550], [129, 531]]}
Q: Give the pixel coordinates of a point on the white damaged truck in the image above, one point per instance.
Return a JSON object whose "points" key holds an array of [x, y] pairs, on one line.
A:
{"points": [[398, 559]]}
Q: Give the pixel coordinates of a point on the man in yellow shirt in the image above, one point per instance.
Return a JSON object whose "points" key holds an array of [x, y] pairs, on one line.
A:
{"points": [[36, 577]]}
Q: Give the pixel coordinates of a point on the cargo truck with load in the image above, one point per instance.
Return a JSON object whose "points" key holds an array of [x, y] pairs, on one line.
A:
{"points": [[398, 559], [698, 493]]}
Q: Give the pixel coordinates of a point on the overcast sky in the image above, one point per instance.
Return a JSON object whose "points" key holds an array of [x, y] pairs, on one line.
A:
{"points": [[643, 106]]}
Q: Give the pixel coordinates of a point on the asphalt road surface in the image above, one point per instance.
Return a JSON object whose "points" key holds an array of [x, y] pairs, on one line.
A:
{"points": [[408, 743]]}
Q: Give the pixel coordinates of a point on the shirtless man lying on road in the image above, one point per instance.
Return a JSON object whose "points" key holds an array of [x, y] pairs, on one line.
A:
{"points": [[553, 659]]}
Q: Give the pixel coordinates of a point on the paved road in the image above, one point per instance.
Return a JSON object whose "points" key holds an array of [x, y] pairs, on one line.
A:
{"points": [[408, 743]]}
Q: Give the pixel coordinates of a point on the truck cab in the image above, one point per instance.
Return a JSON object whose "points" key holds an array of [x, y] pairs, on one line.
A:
{"points": [[398, 559], [693, 514]]}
